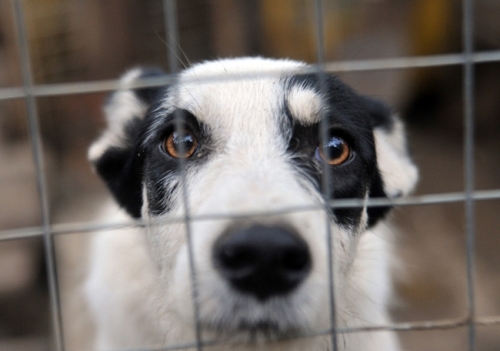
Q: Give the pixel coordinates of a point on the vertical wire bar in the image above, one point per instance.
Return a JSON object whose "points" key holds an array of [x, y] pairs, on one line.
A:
{"points": [[171, 26], [172, 33], [36, 145], [320, 35], [326, 179], [469, 163]]}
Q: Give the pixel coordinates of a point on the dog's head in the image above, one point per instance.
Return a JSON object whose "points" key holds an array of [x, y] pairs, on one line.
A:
{"points": [[243, 136]]}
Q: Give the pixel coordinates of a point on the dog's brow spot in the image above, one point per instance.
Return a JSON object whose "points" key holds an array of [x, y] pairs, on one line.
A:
{"points": [[305, 105]]}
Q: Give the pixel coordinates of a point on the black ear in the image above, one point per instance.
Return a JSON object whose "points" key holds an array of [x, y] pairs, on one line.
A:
{"points": [[395, 174], [116, 156]]}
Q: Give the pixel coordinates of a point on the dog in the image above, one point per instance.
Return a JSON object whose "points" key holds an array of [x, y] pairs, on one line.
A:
{"points": [[211, 162]]}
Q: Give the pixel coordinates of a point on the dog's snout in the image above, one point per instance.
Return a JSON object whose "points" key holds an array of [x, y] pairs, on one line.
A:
{"points": [[262, 260]]}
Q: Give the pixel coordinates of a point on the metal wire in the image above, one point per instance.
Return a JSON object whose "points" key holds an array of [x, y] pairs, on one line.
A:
{"points": [[469, 164], [61, 89], [326, 176], [36, 144], [59, 229], [442, 324], [170, 16], [468, 58]]}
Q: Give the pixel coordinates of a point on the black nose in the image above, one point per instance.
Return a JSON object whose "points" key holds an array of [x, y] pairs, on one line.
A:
{"points": [[262, 261]]}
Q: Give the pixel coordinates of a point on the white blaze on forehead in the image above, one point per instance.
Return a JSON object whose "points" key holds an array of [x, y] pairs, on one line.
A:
{"points": [[305, 104], [248, 67]]}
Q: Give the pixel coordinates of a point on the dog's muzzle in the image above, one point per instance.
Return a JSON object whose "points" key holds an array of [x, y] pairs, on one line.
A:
{"points": [[263, 261]]}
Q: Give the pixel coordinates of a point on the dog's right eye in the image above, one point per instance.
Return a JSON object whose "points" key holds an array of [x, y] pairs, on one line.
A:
{"points": [[180, 145], [335, 151]]}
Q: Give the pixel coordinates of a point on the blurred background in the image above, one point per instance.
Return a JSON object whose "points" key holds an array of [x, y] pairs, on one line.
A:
{"points": [[77, 40]]}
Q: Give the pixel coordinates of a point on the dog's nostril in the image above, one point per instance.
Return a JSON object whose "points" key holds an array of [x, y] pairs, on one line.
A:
{"points": [[262, 260], [235, 259], [294, 260]]}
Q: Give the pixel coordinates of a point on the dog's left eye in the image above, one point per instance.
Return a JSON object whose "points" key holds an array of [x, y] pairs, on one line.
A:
{"points": [[180, 145], [334, 151]]}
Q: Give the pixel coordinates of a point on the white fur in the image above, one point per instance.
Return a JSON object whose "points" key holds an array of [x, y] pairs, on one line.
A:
{"points": [[122, 108], [398, 172], [305, 104], [139, 286]]}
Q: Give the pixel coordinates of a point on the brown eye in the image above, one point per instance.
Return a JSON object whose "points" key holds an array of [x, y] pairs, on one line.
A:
{"points": [[335, 151], [180, 145]]}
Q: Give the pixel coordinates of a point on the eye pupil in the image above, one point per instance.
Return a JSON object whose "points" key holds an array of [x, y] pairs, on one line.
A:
{"points": [[334, 151], [180, 145], [182, 142], [333, 148]]}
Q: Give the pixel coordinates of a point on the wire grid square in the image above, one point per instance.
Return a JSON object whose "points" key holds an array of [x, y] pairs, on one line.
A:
{"points": [[467, 59]]}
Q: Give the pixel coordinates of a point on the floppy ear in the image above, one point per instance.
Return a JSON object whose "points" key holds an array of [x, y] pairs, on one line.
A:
{"points": [[116, 155], [396, 174]]}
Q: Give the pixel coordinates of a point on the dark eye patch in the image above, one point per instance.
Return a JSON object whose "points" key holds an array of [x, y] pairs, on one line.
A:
{"points": [[165, 123], [346, 181], [347, 117], [162, 171]]}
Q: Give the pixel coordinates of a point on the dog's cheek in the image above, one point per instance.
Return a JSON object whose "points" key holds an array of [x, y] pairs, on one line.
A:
{"points": [[164, 244], [169, 247], [161, 182], [210, 286], [341, 253], [166, 237], [180, 289]]}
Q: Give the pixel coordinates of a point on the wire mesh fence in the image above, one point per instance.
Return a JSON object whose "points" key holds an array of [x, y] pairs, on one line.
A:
{"points": [[468, 58]]}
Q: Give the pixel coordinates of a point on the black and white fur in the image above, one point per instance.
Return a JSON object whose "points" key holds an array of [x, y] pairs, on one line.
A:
{"points": [[257, 140]]}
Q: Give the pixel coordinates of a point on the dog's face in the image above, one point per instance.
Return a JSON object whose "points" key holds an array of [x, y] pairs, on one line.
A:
{"points": [[243, 136]]}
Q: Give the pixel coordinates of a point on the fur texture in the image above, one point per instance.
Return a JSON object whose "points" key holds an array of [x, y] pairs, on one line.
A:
{"points": [[256, 124]]}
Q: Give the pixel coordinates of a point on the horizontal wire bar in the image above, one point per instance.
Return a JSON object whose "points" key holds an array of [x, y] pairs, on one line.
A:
{"points": [[59, 89], [411, 62], [431, 199], [442, 324], [44, 90]]}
